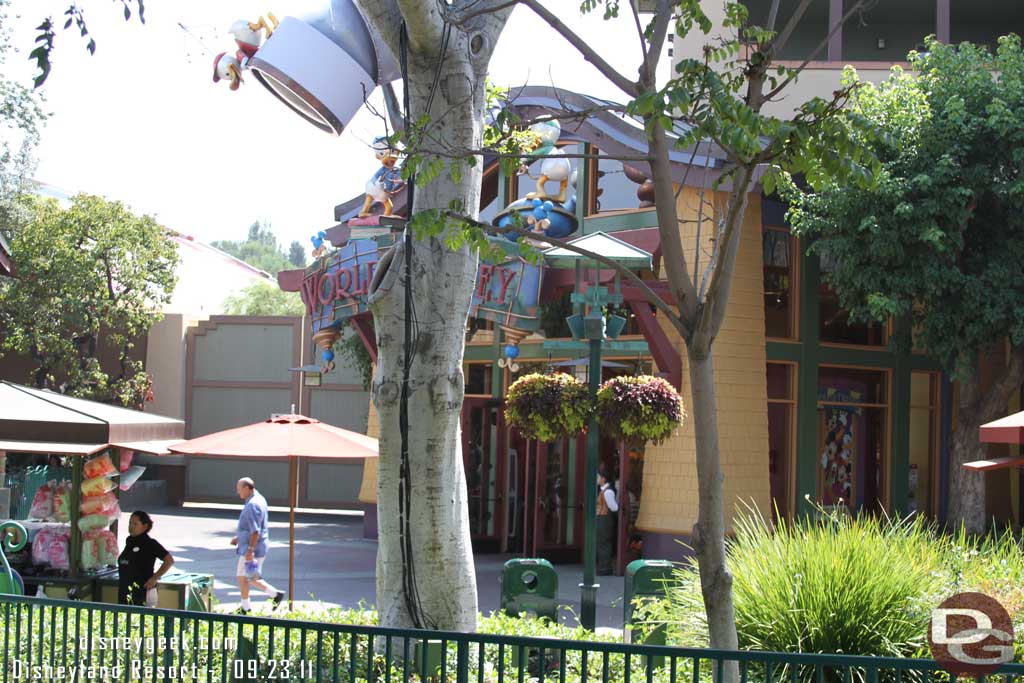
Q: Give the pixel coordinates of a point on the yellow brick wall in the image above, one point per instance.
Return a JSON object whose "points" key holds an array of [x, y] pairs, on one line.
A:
{"points": [[368, 489], [669, 500]]}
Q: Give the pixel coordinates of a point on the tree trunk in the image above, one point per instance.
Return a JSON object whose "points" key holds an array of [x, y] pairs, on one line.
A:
{"points": [[425, 572], [708, 538], [967, 488]]}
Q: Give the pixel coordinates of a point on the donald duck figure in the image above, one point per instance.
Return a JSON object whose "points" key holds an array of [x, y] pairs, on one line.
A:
{"points": [[386, 182], [555, 166]]}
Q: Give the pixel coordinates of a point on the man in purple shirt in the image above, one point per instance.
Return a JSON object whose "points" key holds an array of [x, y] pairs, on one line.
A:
{"points": [[251, 541]]}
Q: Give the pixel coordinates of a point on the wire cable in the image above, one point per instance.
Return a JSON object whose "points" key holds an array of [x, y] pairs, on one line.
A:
{"points": [[410, 589]]}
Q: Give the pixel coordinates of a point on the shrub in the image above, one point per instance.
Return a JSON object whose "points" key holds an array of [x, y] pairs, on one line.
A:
{"points": [[855, 585], [548, 407], [639, 409]]}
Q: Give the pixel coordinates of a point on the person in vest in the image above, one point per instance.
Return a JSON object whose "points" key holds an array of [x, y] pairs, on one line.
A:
{"points": [[607, 523]]}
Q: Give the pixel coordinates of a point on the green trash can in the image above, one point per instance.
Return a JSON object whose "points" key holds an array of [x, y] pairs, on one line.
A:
{"points": [[531, 586], [645, 578]]}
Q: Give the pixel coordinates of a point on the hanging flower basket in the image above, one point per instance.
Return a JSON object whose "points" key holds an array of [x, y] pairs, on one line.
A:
{"points": [[548, 407], [639, 409]]}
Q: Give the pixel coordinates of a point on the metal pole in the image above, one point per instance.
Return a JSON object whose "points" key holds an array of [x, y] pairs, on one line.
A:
{"points": [[588, 589]]}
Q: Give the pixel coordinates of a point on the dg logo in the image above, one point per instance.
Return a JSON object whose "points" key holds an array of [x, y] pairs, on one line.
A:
{"points": [[971, 633]]}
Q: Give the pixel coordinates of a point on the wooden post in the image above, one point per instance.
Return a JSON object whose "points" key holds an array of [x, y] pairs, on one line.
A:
{"points": [[942, 20], [293, 477], [835, 41]]}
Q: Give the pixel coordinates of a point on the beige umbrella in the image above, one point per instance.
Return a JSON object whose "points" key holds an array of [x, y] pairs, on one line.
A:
{"points": [[283, 437]]}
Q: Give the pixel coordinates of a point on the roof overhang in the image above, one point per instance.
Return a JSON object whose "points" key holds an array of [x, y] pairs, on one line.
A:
{"points": [[994, 464], [1009, 429]]}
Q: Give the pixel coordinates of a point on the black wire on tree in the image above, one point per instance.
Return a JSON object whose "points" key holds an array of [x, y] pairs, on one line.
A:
{"points": [[410, 589]]}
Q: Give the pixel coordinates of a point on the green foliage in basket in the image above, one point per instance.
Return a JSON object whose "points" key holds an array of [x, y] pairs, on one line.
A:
{"points": [[548, 407], [639, 409]]}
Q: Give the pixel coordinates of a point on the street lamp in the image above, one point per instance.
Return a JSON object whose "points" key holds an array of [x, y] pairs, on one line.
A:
{"points": [[593, 330]]}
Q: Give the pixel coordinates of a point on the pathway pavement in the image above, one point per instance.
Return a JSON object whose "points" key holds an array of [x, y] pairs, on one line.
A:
{"points": [[334, 564]]}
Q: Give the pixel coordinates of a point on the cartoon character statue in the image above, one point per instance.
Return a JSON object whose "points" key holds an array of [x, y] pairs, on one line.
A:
{"points": [[227, 67], [319, 246], [539, 219], [386, 182], [248, 38], [555, 166]]}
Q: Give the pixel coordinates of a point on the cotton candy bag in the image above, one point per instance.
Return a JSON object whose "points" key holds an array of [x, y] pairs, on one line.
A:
{"points": [[97, 486], [42, 502], [62, 502], [100, 466]]}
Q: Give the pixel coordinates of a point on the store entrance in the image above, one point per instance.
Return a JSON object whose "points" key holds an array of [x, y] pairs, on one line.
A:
{"points": [[483, 458]]}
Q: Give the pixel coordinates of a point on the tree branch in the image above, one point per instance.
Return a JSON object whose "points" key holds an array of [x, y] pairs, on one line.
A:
{"points": [[779, 42], [714, 305], [423, 23], [385, 19], [673, 256], [773, 14], [653, 54], [624, 84], [861, 5], [639, 29]]}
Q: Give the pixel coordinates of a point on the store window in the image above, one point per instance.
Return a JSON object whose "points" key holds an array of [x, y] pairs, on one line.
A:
{"points": [[479, 379], [781, 439], [852, 438], [924, 443], [835, 325], [615, 190], [779, 250], [491, 200]]}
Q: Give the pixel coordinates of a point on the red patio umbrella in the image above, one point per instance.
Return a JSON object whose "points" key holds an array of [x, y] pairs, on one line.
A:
{"points": [[1009, 429], [283, 437]]}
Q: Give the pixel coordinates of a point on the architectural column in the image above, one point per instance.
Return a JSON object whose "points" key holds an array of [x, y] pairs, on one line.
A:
{"points": [[942, 20], [835, 40], [5, 493]]}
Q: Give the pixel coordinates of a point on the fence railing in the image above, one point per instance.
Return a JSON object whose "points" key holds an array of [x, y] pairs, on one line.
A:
{"points": [[54, 640]]}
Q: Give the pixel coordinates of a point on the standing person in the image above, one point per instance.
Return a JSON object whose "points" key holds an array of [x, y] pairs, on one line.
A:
{"points": [[136, 580], [251, 541], [607, 507]]}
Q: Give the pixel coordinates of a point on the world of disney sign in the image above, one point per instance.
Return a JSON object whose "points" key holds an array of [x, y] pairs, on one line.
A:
{"points": [[335, 288]]}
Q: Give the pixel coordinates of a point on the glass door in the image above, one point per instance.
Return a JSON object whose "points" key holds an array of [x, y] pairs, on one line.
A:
{"points": [[480, 449], [556, 476]]}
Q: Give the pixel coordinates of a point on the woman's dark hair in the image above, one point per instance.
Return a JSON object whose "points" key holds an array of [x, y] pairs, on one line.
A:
{"points": [[144, 517]]}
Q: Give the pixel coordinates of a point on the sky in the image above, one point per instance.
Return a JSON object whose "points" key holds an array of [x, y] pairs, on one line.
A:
{"points": [[143, 122]]}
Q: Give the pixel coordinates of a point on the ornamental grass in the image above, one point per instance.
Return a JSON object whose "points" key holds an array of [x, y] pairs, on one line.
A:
{"points": [[860, 585]]}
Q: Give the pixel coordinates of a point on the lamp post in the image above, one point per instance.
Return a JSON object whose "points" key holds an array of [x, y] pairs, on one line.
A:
{"points": [[595, 332]]}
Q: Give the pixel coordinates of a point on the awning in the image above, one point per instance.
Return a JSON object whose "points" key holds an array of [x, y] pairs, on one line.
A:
{"points": [[51, 447], [29, 414], [153, 447], [994, 464]]}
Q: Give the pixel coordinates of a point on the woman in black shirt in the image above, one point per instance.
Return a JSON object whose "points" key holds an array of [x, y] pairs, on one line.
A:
{"points": [[135, 565]]}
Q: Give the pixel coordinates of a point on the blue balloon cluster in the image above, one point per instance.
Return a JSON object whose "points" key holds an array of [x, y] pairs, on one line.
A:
{"points": [[318, 239], [511, 351]]}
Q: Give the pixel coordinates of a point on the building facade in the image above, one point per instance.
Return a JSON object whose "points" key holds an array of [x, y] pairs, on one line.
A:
{"points": [[815, 411]]}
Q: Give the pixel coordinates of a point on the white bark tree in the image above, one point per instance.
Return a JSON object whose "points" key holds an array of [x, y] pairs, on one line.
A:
{"points": [[721, 100], [425, 571]]}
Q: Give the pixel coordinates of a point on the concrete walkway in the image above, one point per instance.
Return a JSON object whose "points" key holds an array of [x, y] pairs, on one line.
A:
{"points": [[334, 564]]}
